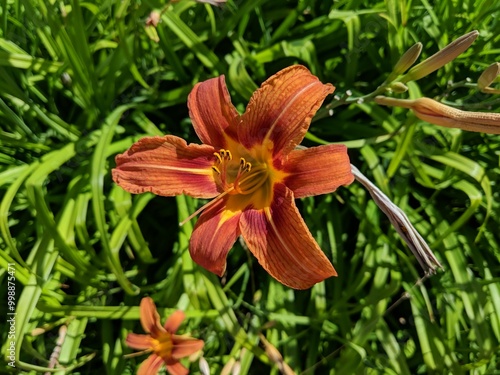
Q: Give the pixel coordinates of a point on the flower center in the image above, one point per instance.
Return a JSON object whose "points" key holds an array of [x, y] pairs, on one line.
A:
{"points": [[239, 177], [245, 180], [163, 345]]}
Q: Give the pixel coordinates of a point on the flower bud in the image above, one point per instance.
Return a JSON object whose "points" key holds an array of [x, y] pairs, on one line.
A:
{"points": [[226, 370], [204, 367], [440, 114], [398, 87], [152, 33], [275, 356], [488, 77], [285, 369], [272, 353], [154, 18], [407, 60], [151, 23], [440, 58]]}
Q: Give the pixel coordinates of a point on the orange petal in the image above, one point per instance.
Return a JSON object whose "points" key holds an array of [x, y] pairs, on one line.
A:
{"points": [[318, 170], [150, 319], [211, 111], [214, 234], [150, 366], [174, 321], [185, 346], [282, 109], [176, 368], [283, 245], [166, 166], [138, 342]]}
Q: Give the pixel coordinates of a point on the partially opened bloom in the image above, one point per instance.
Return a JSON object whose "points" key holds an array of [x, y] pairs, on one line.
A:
{"points": [[161, 341], [250, 164]]}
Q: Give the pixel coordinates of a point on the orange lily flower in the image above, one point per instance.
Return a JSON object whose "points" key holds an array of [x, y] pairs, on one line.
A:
{"points": [[165, 346], [250, 164]]}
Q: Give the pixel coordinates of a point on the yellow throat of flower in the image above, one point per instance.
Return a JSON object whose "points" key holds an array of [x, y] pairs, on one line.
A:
{"points": [[246, 177], [243, 176], [163, 345]]}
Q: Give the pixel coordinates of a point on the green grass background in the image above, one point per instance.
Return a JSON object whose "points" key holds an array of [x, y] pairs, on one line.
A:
{"points": [[80, 81]]}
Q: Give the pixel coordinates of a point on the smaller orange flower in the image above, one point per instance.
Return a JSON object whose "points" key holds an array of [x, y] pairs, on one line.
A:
{"points": [[161, 341]]}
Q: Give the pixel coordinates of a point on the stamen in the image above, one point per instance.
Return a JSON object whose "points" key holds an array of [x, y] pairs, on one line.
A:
{"points": [[205, 206], [136, 354], [251, 182], [244, 167], [223, 156], [242, 179], [217, 155], [223, 175]]}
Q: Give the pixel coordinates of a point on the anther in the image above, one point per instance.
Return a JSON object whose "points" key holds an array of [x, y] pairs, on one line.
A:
{"points": [[248, 167], [223, 154], [215, 169], [217, 155]]}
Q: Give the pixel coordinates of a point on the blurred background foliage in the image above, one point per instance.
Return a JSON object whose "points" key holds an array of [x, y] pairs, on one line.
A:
{"points": [[80, 81]]}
